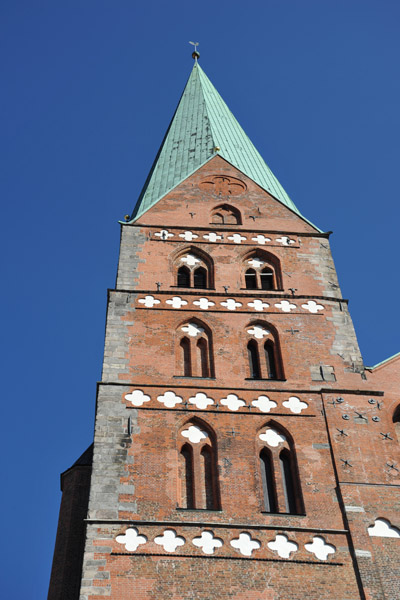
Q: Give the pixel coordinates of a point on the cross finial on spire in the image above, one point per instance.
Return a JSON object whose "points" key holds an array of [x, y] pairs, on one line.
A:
{"points": [[195, 53]]}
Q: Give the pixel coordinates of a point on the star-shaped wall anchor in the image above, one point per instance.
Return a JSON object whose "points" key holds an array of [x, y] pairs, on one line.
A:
{"points": [[346, 463]]}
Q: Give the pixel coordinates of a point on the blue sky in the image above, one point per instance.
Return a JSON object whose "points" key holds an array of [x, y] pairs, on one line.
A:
{"points": [[89, 88]]}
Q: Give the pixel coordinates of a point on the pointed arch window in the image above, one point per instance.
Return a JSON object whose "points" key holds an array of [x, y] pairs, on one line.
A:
{"points": [[225, 215], [263, 352], [194, 355], [280, 489], [261, 271], [396, 422], [193, 269], [198, 472]]}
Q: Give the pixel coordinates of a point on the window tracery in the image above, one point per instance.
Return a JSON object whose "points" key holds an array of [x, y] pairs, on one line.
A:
{"points": [[261, 271], [263, 352], [193, 269], [194, 357], [225, 215]]}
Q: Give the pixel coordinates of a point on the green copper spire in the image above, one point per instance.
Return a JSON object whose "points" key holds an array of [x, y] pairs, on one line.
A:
{"points": [[202, 127]]}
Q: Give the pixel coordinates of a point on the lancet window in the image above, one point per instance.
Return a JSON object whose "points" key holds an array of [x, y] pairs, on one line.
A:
{"points": [[194, 357], [261, 271], [263, 352], [226, 215], [280, 490], [396, 421], [198, 486], [194, 269]]}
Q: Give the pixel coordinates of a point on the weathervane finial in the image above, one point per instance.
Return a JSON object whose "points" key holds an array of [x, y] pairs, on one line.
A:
{"points": [[195, 53]]}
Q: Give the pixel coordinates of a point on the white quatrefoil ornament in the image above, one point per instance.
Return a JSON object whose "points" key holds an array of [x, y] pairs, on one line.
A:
{"points": [[282, 546], [383, 528], [295, 405], [207, 542], [201, 400], [264, 404], [176, 302], [131, 539], [149, 301], [236, 238], [188, 236], [137, 398], [258, 305], [285, 241], [285, 306], [194, 434], [272, 437], [258, 332], [164, 234], [203, 303], [231, 304], [256, 262], [169, 540], [245, 544], [169, 399], [320, 548], [192, 329], [312, 306], [190, 260], [261, 239], [212, 237], [233, 402]]}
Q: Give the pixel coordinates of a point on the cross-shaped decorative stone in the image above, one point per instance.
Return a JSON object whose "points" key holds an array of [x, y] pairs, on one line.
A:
{"points": [[203, 303], [188, 236], [258, 332], [212, 237], [245, 544], [272, 437], [282, 546], [285, 306], [261, 239], [192, 329], [169, 540], [207, 542], [320, 548], [233, 402], [264, 404], [231, 304], [176, 302], [164, 234], [169, 399], [131, 539], [201, 400], [194, 434], [258, 305], [256, 262], [149, 301], [236, 238], [285, 240], [190, 260], [383, 528], [312, 306], [137, 398], [295, 405]]}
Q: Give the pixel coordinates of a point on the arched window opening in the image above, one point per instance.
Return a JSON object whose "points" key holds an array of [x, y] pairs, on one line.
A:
{"points": [[198, 485], [186, 357], [183, 277], [188, 494], [200, 278], [270, 359], [267, 279], [194, 350], [396, 421], [287, 481], [268, 481], [251, 279], [254, 360], [203, 356], [208, 478], [226, 215]]}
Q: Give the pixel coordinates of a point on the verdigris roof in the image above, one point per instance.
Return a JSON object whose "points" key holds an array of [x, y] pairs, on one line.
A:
{"points": [[202, 127]]}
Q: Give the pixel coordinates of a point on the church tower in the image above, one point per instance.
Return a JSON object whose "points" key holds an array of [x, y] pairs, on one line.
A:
{"points": [[242, 450]]}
